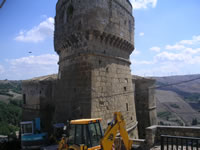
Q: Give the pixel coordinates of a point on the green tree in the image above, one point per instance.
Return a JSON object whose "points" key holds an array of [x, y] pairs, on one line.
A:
{"points": [[10, 116]]}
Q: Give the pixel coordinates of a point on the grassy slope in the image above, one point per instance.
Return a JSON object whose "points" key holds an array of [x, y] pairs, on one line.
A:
{"points": [[182, 100], [181, 112]]}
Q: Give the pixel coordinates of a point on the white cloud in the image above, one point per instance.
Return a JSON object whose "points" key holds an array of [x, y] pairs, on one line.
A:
{"points": [[47, 59], [143, 4], [141, 34], [195, 40], [174, 47], [164, 69], [195, 60], [181, 45], [183, 60], [32, 66], [188, 56], [38, 33], [166, 56], [167, 63], [136, 52], [191, 51], [155, 49], [141, 62]]}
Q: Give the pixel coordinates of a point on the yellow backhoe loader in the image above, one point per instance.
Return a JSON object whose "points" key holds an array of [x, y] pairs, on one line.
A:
{"points": [[86, 134]]}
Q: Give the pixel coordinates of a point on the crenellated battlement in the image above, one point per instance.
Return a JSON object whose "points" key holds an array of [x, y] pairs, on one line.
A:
{"points": [[81, 39]]}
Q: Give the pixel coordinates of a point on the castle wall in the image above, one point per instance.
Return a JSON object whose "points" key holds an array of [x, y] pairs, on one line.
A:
{"points": [[112, 90], [72, 95], [94, 40], [38, 101], [31, 101], [145, 103]]}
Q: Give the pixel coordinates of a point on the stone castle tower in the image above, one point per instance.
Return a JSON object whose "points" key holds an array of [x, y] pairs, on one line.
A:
{"points": [[94, 39]]}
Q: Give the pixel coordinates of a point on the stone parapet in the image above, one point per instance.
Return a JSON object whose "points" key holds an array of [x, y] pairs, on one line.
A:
{"points": [[153, 133]]}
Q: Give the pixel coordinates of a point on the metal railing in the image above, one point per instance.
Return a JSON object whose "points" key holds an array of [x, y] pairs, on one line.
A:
{"points": [[179, 143]]}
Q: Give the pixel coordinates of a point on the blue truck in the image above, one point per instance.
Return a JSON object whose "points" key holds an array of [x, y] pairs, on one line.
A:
{"points": [[31, 135]]}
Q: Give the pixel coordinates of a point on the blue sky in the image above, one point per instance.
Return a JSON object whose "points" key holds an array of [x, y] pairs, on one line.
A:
{"points": [[167, 38]]}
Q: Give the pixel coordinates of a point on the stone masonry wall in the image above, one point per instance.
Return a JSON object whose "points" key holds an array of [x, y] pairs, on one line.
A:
{"points": [[72, 95], [31, 96], [112, 90], [94, 40], [145, 103], [153, 133], [39, 101]]}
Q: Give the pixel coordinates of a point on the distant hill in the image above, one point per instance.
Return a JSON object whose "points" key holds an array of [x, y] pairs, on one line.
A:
{"points": [[10, 106], [10, 90], [192, 86], [179, 103]]}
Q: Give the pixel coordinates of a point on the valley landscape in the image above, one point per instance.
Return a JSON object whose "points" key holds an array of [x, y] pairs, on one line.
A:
{"points": [[178, 100]]}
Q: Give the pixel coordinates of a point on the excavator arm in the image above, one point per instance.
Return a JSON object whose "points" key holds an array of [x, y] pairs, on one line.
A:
{"points": [[118, 124]]}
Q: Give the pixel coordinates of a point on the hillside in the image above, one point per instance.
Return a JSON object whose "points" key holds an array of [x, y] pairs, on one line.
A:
{"points": [[178, 104], [10, 106], [190, 87], [10, 90]]}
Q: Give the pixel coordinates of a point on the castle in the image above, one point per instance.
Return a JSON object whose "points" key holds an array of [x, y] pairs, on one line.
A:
{"points": [[94, 40]]}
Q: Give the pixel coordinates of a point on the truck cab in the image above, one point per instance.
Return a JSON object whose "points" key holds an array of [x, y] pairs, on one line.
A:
{"points": [[84, 132], [31, 135]]}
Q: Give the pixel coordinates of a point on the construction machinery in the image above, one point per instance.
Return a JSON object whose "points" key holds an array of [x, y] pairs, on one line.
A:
{"points": [[87, 134]]}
